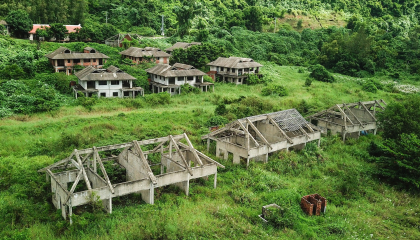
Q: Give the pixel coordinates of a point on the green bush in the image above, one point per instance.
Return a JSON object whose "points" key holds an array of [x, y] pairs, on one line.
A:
{"points": [[321, 74], [216, 121], [187, 88], [220, 109], [308, 82], [158, 98], [274, 89], [86, 102], [369, 86]]}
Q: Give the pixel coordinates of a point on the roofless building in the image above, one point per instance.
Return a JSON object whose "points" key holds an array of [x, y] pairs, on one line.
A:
{"points": [[178, 164], [349, 119], [253, 138]]}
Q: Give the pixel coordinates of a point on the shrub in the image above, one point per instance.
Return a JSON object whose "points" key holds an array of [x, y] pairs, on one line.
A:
{"points": [[369, 86], [220, 109], [255, 79], [187, 88], [273, 89], [207, 78], [308, 82], [158, 98], [216, 121], [321, 74], [87, 102]]}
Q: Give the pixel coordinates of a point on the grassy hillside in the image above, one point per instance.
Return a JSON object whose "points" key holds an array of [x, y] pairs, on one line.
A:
{"points": [[360, 205]]}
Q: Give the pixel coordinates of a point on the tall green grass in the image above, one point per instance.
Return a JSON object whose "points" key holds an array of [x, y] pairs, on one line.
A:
{"points": [[359, 204]]}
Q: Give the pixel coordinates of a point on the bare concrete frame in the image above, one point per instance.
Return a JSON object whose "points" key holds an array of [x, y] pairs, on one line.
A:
{"points": [[349, 119], [182, 162], [253, 138]]}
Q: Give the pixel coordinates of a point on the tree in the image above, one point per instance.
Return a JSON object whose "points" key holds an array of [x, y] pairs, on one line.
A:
{"points": [[57, 30], [184, 14], [398, 156], [401, 117], [42, 33], [254, 18], [399, 160], [19, 22]]}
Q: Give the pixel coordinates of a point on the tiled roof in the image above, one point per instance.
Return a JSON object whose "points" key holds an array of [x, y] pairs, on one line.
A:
{"points": [[171, 71], [234, 62], [60, 54], [142, 52], [111, 73], [183, 45]]}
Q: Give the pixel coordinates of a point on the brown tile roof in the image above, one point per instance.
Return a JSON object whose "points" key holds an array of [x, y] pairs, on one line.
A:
{"points": [[172, 71], [183, 45], [234, 62], [183, 66], [111, 73], [147, 51], [59, 54]]}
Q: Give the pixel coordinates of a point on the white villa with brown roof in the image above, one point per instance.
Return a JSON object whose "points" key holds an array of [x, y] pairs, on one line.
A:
{"points": [[110, 82], [167, 78], [182, 45], [63, 59], [138, 55], [233, 69]]}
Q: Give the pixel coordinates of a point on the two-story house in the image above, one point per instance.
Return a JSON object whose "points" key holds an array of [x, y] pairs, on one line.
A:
{"points": [[64, 60], [182, 45], [70, 29], [233, 69], [110, 82], [138, 55], [167, 78]]}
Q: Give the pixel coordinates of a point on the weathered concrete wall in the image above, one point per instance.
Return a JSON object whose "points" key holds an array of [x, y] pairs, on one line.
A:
{"points": [[270, 132], [133, 165]]}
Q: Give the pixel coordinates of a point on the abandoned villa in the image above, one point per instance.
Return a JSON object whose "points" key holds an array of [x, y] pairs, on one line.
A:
{"points": [[139, 55], [233, 69], [110, 82], [64, 60], [167, 78]]}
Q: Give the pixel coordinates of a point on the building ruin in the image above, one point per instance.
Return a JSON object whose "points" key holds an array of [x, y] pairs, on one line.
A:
{"points": [[349, 119], [253, 138], [178, 163]]}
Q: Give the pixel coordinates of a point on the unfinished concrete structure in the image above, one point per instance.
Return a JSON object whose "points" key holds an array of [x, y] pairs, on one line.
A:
{"points": [[349, 119], [179, 163], [253, 138]]}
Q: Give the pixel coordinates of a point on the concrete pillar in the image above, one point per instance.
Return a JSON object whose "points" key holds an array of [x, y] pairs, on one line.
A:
{"points": [[217, 151], [344, 136], [185, 186], [148, 195], [208, 144], [63, 208], [319, 142], [247, 162], [215, 180], [225, 154], [107, 204], [70, 214], [236, 159], [266, 158], [374, 131]]}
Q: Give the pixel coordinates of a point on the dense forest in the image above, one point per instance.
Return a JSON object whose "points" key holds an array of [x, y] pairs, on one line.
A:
{"points": [[315, 54]]}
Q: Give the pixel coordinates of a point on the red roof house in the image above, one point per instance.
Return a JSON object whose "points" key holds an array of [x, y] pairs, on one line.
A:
{"points": [[70, 29]]}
